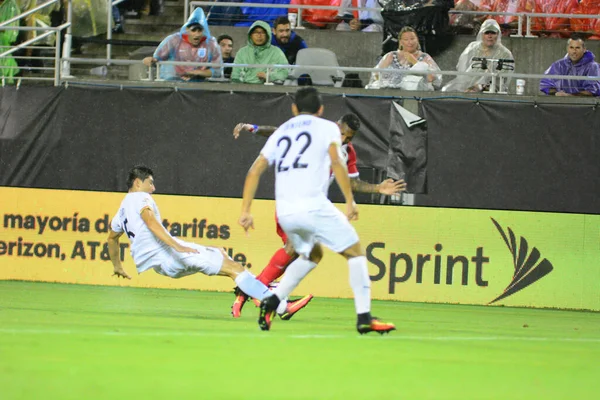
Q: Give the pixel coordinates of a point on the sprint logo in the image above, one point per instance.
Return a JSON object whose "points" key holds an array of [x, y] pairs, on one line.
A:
{"points": [[528, 266]]}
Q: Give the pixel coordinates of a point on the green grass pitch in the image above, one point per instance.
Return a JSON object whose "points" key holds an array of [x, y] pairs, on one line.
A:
{"points": [[90, 342]]}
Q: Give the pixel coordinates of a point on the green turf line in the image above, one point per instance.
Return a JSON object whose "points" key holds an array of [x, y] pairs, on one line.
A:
{"points": [[95, 342]]}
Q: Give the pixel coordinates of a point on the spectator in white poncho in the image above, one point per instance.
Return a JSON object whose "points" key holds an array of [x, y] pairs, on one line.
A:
{"points": [[488, 45]]}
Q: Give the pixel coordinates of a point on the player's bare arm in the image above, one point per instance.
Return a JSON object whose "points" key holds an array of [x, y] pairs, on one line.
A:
{"points": [[387, 187], [338, 166], [258, 168], [160, 232], [261, 130], [113, 253]]}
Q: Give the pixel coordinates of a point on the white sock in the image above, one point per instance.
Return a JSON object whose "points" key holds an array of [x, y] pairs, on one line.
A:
{"points": [[251, 286], [360, 283], [282, 307], [294, 273]]}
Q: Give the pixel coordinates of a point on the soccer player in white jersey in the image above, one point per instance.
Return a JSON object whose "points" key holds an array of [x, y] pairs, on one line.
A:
{"points": [[152, 247], [349, 125], [303, 151]]}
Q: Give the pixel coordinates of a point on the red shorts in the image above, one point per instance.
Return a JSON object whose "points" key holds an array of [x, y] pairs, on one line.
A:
{"points": [[280, 231]]}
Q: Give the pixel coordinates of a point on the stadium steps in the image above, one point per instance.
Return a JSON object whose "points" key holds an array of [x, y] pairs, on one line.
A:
{"points": [[149, 30]]}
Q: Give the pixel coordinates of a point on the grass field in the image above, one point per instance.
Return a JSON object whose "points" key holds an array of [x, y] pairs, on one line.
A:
{"points": [[90, 342]]}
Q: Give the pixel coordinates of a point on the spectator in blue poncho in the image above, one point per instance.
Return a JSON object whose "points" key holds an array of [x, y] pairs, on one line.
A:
{"points": [[192, 44]]}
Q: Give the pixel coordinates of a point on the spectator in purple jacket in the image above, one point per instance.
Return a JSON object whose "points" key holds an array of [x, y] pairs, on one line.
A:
{"points": [[577, 62]]}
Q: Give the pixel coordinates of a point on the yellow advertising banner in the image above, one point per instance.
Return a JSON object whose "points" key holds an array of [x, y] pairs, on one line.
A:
{"points": [[415, 254]]}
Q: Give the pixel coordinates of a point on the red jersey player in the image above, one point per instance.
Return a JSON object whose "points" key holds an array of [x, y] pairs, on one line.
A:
{"points": [[349, 125]]}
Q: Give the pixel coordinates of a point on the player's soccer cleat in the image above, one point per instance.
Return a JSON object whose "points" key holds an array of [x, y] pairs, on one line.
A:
{"points": [[375, 326], [236, 308], [256, 302], [267, 311], [294, 306]]}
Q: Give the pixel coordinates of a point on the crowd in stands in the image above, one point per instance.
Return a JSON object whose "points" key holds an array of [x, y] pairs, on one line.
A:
{"points": [[557, 26], [272, 45]]}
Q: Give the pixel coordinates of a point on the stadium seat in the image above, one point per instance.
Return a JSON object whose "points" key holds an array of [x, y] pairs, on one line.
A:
{"points": [[311, 57]]}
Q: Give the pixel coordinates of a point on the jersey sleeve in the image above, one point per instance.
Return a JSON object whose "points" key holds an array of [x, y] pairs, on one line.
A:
{"points": [[269, 149], [115, 224], [145, 202], [351, 162], [336, 134]]}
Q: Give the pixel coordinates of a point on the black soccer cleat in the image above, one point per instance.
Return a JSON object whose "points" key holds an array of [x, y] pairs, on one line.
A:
{"points": [[267, 311], [375, 326]]}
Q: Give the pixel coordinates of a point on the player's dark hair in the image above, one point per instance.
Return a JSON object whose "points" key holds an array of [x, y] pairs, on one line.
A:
{"points": [[351, 120], [139, 171], [222, 37], [283, 20], [308, 100]]}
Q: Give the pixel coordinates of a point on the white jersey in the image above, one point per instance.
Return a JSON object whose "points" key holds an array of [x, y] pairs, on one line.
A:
{"points": [[299, 149], [145, 247]]}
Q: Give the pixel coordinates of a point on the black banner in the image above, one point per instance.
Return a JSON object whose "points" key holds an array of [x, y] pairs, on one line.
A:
{"points": [[512, 156], [479, 154], [429, 18], [88, 138], [407, 155]]}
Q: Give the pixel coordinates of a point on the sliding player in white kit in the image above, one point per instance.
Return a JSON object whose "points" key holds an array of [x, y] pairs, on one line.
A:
{"points": [[152, 247], [303, 151]]}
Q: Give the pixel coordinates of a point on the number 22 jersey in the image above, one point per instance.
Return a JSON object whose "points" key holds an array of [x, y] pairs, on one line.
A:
{"points": [[299, 151]]}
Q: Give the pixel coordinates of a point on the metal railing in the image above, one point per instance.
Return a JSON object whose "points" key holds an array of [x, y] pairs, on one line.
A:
{"points": [[521, 16], [109, 25], [47, 31], [191, 5], [527, 17], [153, 73]]}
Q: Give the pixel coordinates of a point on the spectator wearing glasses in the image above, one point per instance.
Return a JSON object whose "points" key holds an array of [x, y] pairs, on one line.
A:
{"points": [[577, 62], [259, 50], [488, 45], [192, 44]]}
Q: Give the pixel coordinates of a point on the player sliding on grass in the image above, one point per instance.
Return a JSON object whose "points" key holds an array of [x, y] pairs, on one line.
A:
{"points": [[349, 125], [152, 247], [304, 151]]}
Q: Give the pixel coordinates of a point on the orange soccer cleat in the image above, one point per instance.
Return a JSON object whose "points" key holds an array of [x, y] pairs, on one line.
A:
{"points": [[240, 300], [294, 306], [375, 326]]}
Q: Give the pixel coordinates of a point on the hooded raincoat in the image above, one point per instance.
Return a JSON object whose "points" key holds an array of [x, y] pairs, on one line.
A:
{"points": [[176, 47], [477, 49], [265, 54], [586, 66]]}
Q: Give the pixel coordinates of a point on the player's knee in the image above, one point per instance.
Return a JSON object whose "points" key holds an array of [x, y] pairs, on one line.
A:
{"points": [[355, 250], [316, 254], [231, 268], [289, 249]]}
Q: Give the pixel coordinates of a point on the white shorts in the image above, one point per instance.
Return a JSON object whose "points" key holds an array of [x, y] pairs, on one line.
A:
{"points": [[327, 225], [176, 265]]}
